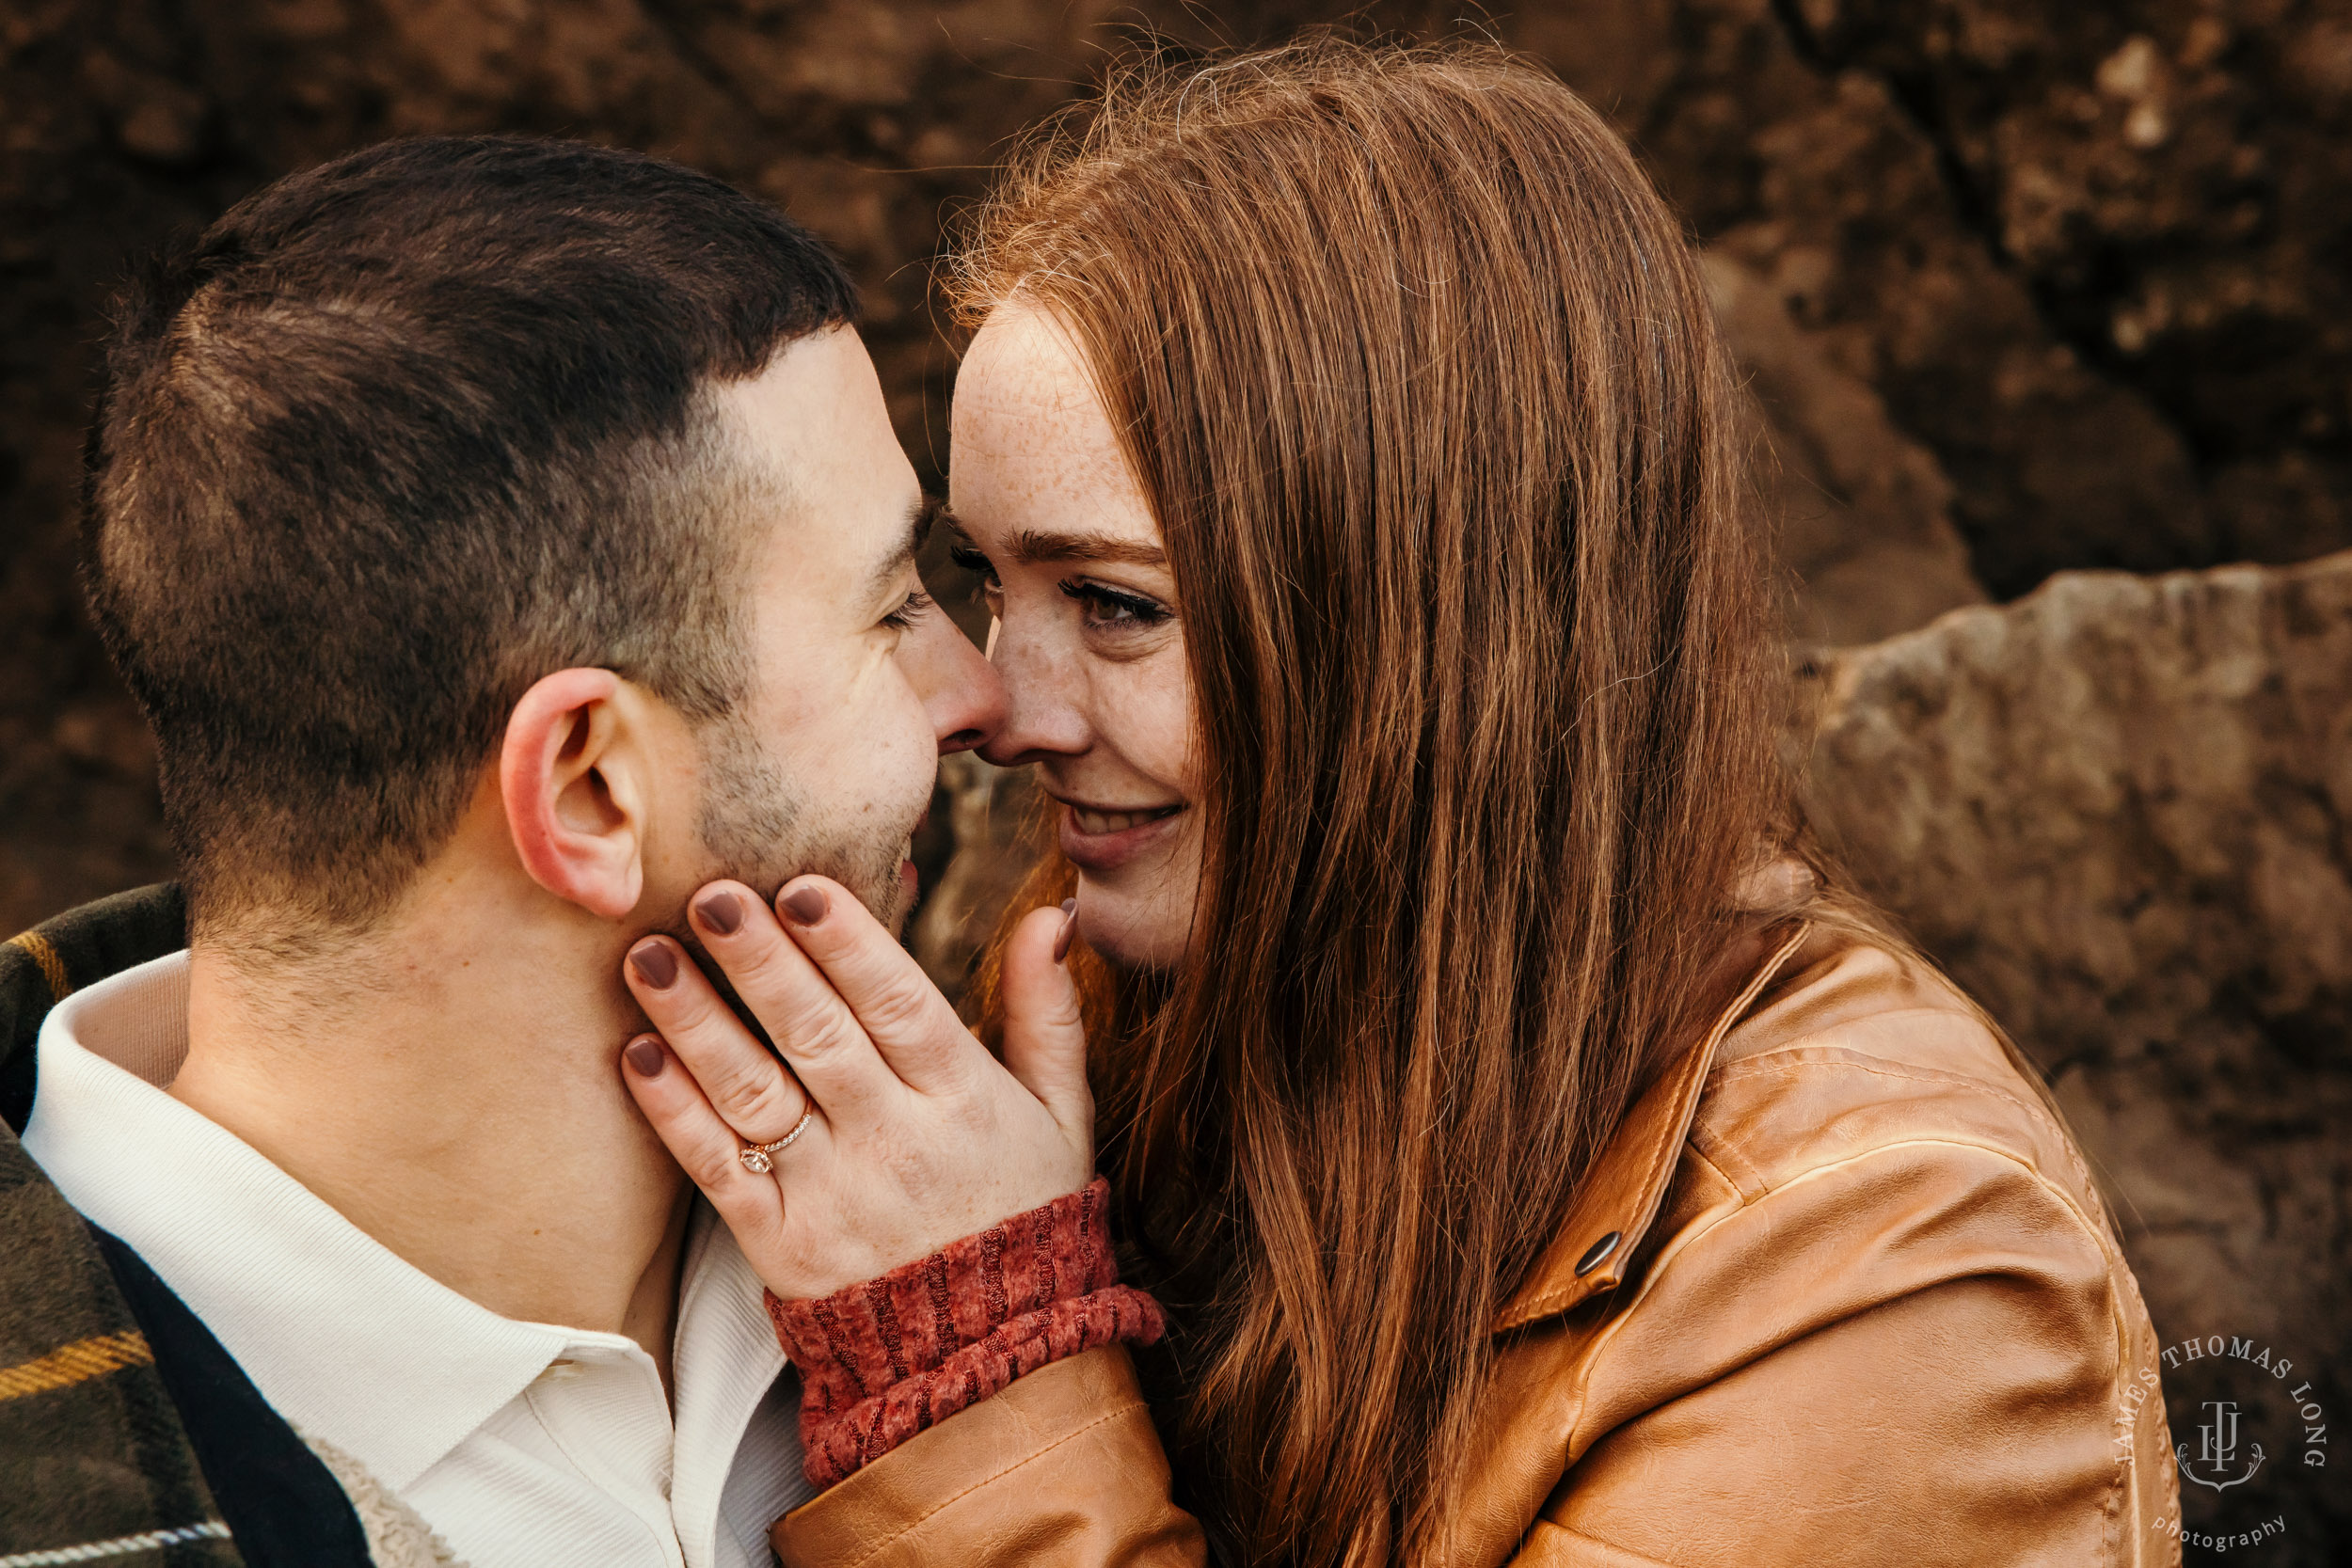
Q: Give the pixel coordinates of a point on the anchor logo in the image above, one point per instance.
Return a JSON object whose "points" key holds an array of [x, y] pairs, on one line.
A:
{"points": [[2217, 1449]]}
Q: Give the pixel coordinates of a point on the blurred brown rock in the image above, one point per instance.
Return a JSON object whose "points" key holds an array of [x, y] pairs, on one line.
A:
{"points": [[2120, 811], [1864, 510], [2164, 184]]}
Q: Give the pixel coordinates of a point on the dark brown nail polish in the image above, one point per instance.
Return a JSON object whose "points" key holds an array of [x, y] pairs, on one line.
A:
{"points": [[1069, 929], [723, 912], [805, 906], [655, 964], [645, 1056]]}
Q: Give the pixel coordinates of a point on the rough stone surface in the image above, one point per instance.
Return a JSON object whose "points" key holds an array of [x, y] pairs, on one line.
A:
{"points": [[2120, 811]]}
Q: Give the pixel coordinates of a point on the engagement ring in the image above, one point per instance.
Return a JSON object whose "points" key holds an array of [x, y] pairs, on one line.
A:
{"points": [[758, 1159]]}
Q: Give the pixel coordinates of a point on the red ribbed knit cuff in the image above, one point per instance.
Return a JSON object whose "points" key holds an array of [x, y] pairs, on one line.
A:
{"points": [[881, 1362]]}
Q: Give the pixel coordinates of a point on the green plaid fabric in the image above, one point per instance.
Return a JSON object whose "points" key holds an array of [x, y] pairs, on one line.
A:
{"points": [[95, 1466]]}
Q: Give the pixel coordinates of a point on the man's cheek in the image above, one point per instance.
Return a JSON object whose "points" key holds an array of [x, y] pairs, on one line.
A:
{"points": [[892, 756]]}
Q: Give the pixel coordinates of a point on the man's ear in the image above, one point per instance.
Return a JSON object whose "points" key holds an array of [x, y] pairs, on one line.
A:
{"points": [[574, 777]]}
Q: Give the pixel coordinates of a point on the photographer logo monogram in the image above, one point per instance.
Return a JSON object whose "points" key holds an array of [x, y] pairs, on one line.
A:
{"points": [[2217, 1449], [2220, 1441]]}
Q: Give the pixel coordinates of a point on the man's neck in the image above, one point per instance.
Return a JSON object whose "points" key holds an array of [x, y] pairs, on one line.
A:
{"points": [[449, 1086]]}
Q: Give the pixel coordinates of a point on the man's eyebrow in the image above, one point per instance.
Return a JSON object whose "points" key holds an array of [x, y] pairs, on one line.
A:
{"points": [[900, 559]]}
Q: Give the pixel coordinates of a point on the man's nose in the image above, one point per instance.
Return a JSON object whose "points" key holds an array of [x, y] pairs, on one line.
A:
{"points": [[962, 694]]}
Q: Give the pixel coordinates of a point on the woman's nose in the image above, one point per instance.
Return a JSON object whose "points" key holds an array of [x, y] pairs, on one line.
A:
{"points": [[1044, 714]]}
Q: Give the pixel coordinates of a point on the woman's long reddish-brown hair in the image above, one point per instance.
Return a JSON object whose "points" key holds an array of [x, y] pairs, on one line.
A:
{"points": [[1418, 374]]}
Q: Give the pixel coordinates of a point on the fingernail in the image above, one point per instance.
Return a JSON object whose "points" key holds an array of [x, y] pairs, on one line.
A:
{"points": [[655, 964], [723, 912], [645, 1056], [805, 906], [1069, 929]]}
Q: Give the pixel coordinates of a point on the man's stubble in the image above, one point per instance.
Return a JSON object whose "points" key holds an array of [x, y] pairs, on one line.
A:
{"points": [[758, 828]]}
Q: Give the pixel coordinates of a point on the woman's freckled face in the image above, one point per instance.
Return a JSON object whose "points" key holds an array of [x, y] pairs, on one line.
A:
{"points": [[1088, 634]]}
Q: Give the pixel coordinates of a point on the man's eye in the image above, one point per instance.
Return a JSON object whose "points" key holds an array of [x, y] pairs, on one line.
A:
{"points": [[908, 613], [1113, 610]]}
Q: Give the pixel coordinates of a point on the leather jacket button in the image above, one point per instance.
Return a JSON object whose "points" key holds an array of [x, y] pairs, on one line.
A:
{"points": [[1594, 1254]]}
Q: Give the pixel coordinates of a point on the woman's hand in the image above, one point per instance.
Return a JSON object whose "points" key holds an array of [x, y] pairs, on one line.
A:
{"points": [[915, 1135]]}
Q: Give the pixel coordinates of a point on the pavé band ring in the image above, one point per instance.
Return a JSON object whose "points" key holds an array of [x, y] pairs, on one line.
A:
{"points": [[760, 1159]]}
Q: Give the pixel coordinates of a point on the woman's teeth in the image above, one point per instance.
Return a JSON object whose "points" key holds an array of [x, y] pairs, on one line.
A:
{"points": [[1093, 823]]}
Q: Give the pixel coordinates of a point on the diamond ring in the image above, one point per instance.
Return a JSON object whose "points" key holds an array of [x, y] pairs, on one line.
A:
{"points": [[760, 1159]]}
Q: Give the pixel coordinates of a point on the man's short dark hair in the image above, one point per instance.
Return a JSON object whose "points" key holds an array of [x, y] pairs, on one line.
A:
{"points": [[396, 438]]}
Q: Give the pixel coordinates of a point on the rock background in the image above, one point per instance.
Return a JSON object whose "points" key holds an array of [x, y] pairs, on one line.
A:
{"points": [[2021, 288], [2120, 811]]}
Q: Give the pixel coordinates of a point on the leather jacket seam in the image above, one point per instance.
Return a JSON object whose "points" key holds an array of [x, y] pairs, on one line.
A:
{"points": [[1670, 1149], [1679, 1243], [1880, 1068], [1575, 1534], [1824, 1039], [2088, 1222], [945, 1503], [1714, 1161]]}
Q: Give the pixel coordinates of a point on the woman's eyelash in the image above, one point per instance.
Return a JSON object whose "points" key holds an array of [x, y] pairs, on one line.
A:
{"points": [[1106, 605], [1134, 608], [904, 616]]}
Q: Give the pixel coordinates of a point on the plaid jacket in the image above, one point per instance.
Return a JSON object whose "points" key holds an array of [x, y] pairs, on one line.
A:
{"points": [[128, 1436]]}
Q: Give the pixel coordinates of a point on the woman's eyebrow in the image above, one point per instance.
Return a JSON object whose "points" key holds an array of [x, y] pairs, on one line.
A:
{"points": [[1030, 545], [1035, 544]]}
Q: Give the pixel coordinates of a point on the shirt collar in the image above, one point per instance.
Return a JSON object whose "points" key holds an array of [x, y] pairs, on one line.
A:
{"points": [[350, 1342], [346, 1340]]}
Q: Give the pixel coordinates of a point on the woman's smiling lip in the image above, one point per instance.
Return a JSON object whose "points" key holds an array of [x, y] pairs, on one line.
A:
{"points": [[1101, 838], [910, 879]]}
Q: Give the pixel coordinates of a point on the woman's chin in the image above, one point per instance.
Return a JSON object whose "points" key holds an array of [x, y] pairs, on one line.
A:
{"points": [[1126, 932]]}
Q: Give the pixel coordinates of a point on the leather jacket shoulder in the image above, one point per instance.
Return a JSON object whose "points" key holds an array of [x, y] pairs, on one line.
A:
{"points": [[1877, 1315]]}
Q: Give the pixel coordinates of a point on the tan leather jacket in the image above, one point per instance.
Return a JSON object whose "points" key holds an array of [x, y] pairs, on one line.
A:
{"points": [[1839, 1292]]}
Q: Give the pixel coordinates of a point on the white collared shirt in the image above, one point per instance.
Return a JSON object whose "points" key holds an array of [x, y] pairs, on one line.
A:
{"points": [[523, 1445]]}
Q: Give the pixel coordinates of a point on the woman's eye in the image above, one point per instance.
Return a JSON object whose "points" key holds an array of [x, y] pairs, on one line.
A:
{"points": [[1112, 609], [972, 561]]}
